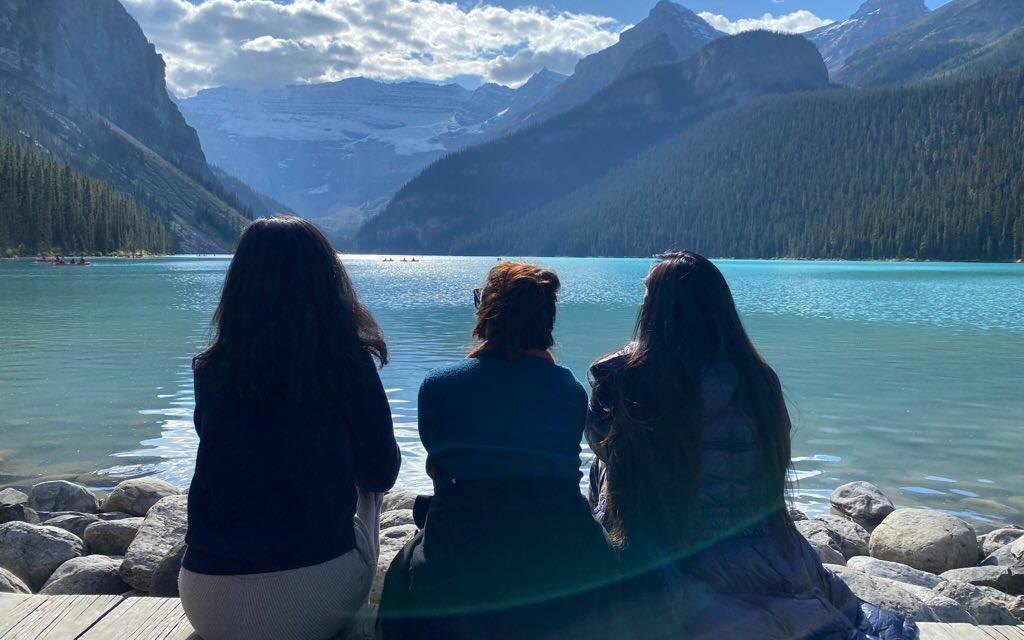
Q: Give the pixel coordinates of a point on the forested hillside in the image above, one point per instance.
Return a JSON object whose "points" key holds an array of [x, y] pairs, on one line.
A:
{"points": [[932, 171], [46, 207], [80, 81], [481, 185]]}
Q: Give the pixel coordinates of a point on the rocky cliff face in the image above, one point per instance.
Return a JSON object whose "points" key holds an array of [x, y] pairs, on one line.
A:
{"points": [[668, 26], [338, 151], [873, 20], [79, 79], [94, 55]]}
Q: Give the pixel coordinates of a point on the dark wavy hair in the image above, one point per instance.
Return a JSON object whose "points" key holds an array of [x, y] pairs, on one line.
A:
{"points": [[516, 310], [687, 323], [289, 324]]}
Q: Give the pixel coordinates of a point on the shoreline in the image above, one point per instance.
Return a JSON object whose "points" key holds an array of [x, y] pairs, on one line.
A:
{"points": [[63, 538]]}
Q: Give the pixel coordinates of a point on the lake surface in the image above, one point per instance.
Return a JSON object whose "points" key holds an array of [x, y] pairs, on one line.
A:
{"points": [[907, 375]]}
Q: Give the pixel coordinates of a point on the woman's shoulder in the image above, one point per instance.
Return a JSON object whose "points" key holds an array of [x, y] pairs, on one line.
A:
{"points": [[609, 364]]}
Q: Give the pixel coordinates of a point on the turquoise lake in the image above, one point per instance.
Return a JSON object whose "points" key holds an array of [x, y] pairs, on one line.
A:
{"points": [[907, 375]]}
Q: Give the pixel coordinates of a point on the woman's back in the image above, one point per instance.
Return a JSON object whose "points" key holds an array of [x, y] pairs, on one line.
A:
{"points": [[488, 417]]}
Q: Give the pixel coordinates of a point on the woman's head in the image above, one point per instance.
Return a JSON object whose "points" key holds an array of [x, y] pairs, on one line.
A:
{"points": [[516, 310], [687, 327], [288, 322]]}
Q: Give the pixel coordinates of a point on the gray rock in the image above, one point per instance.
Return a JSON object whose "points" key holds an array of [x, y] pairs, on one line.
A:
{"points": [[12, 496], [908, 599], [164, 527], [827, 554], [398, 500], [1008, 555], [993, 540], [112, 538], [1017, 608], [397, 517], [1009, 580], [18, 513], [796, 515], [925, 540], [61, 495], [165, 578], [10, 583], [76, 523], [845, 536], [114, 515], [137, 495], [862, 502], [893, 571], [87, 575], [33, 552], [987, 605], [391, 542]]}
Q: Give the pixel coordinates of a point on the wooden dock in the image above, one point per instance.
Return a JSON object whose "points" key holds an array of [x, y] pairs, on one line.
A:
{"points": [[25, 617]]}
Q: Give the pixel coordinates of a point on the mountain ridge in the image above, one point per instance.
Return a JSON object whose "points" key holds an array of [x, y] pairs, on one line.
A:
{"points": [[490, 181], [874, 19]]}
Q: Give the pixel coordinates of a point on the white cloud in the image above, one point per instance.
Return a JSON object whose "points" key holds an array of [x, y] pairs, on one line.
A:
{"points": [[268, 43], [795, 22]]}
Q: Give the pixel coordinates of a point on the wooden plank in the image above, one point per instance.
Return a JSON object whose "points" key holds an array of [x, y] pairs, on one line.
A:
{"points": [[143, 619], [57, 617], [969, 632], [13, 609], [935, 631], [1005, 632]]}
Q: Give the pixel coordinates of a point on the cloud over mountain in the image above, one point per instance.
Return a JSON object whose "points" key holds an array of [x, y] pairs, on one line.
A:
{"points": [[795, 22], [263, 43]]}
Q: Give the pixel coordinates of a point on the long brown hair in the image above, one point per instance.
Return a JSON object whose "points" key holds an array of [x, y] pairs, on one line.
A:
{"points": [[289, 324], [516, 310], [688, 322]]}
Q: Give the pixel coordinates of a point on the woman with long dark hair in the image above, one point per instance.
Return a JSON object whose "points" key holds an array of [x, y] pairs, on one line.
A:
{"points": [[509, 548], [693, 439], [295, 445]]}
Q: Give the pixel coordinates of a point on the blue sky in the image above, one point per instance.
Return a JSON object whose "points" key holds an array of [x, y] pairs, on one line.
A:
{"points": [[266, 44]]}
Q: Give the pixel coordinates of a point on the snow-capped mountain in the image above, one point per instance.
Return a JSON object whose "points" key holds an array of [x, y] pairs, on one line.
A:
{"points": [[873, 20], [341, 149]]}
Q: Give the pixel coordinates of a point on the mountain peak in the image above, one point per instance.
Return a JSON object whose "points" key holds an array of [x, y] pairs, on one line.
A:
{"points": [[891, 7]]}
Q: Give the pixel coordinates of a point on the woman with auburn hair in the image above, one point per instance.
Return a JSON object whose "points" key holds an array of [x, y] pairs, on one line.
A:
{"points": [[509, 547], [693, 437], [295, 446]]}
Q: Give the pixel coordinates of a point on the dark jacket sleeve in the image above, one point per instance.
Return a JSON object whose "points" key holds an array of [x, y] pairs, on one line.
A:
{"points": [[599, 410], [375, 454]]}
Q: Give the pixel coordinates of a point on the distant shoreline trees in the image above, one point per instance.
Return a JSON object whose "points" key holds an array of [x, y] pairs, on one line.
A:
{"points": [[48, 207]]}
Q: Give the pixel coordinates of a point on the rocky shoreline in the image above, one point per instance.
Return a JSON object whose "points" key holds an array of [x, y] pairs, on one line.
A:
{"points": [[58, 537]]}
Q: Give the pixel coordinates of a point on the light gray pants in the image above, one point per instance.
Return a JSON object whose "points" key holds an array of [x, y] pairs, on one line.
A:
{"points": [[309, 603]]}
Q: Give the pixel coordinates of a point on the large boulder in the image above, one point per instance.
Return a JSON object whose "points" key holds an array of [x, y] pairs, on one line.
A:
{"points": [[395, 518], [908, 599], [137, 495], [827, 554], [112, 538], [893, 571], [925, 540], [1008, 555], [18, 512], [11, 496], [87, 575], [61, 495], [164, 527], [398, 500], [845, 536], [796, 515], [1009, 580], [76, 523], [33, 552], [993, 540], [10, 583], [391, 542], [987, 605], [862, 502], [165, 578]]}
